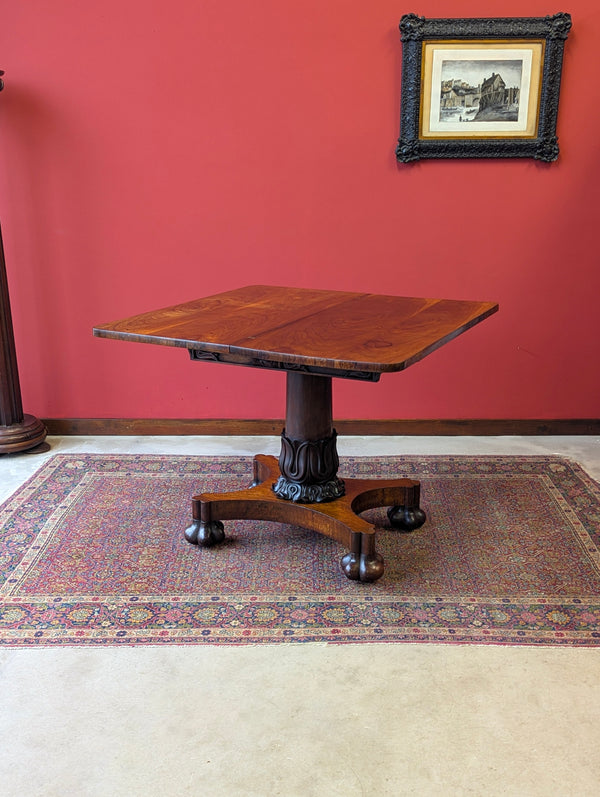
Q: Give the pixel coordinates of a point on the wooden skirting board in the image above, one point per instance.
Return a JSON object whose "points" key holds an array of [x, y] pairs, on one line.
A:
{"points": [[239, 427]]}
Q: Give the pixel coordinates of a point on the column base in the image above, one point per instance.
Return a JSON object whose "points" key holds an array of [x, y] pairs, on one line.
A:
{"points": [[308, 493], [309, 470], [28, 434]]}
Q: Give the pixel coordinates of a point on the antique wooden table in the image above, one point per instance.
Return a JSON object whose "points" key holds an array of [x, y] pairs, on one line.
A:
{"points": [[312, 335]]}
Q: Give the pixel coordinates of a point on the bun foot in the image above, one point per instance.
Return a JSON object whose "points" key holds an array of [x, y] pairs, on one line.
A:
{"points": [[362, 567], [205, 534], [406, 518]]}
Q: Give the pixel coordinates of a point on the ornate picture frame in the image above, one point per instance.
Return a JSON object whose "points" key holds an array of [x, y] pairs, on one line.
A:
{"points": [[481, 88]]}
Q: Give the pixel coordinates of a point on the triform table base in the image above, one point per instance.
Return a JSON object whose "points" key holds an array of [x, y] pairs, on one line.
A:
{"points": [[339, 518]]}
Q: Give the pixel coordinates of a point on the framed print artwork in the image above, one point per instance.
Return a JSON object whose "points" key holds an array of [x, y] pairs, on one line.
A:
{"points": [[480, 88]]}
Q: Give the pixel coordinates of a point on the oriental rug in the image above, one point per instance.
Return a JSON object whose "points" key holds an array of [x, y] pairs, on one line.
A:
{"points": [[92, 553]]}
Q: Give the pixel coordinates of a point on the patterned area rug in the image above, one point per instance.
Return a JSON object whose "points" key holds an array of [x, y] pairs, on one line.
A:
{"points": [[92, 553]]}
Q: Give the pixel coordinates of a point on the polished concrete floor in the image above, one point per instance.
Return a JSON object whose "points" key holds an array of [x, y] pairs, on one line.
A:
{"points": [[309, 720]]}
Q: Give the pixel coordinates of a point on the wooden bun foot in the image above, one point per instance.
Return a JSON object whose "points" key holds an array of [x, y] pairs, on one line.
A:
{"points": [[205, 534]]}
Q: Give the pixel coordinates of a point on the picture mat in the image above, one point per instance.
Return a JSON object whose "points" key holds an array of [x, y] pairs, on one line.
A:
{"points": [[435, 53]]}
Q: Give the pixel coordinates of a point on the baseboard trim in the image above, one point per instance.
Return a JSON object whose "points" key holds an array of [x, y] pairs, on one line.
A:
{"points": [[239, 427]]}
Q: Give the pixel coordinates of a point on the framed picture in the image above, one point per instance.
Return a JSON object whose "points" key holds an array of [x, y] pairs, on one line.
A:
{"points": [[480, 88]]}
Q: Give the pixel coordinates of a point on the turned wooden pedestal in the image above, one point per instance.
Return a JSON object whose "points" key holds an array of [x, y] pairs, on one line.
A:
{"points": [[18, 431], [303, 488]]}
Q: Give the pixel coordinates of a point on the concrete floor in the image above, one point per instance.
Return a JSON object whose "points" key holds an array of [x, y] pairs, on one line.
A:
{"points": [[310, 720]]}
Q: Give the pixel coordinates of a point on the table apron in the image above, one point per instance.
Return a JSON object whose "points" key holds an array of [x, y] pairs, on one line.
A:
{"points": [[199, 355]]}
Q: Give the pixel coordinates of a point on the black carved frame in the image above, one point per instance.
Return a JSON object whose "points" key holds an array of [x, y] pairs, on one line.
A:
{"points": [[415, 30]]}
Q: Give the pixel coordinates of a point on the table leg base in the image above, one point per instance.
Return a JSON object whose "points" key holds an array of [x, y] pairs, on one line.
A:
{"points": [[205, 534], [365, 565], [407, 518], [339, 519]]}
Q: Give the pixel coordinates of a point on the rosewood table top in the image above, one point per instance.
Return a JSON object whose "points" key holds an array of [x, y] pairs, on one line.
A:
{"points": [[342, 334]]}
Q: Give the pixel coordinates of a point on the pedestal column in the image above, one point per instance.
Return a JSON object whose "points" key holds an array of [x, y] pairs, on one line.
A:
{"points": [[308, 460], [18, 432]]}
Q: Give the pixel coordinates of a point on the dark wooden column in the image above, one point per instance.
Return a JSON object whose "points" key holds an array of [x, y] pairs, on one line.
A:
{"points": [[308, 412], [308, 461], [18, 432]]}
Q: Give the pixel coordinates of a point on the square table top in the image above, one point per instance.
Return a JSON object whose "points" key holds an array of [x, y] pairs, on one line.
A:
{"points": [[337, 333]]}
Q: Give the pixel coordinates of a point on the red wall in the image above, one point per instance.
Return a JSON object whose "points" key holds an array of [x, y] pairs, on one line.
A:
{"points": [[154, 152]]}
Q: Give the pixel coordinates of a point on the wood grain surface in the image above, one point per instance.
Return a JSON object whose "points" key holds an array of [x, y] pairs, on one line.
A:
{"points": [[333, 330]]}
